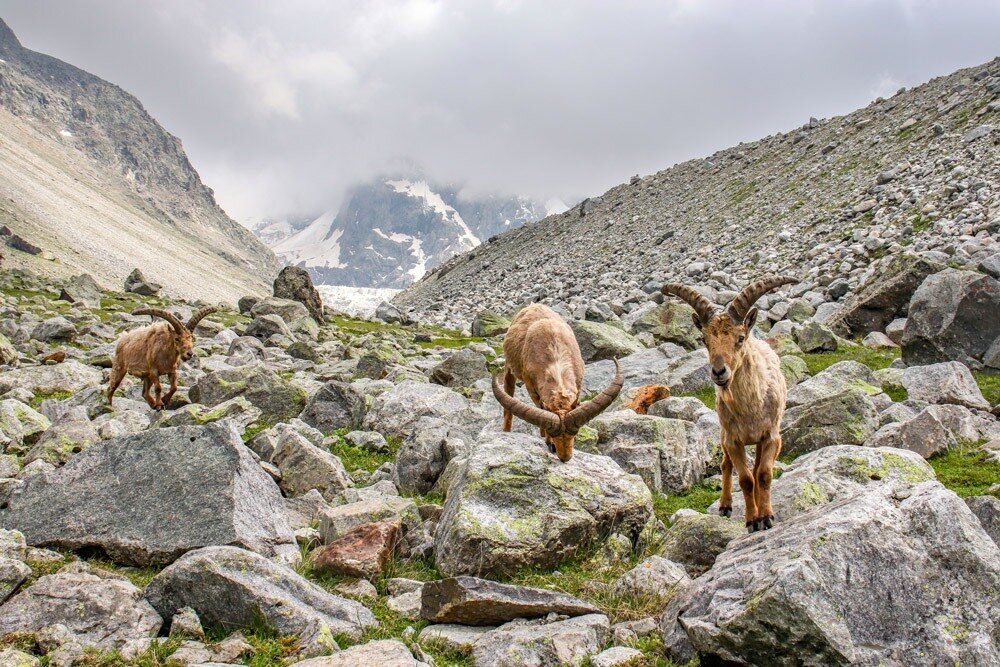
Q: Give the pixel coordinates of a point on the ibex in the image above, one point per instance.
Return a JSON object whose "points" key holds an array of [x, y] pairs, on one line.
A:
{"points": [[749, 394], [541, 350], [154, 350]]}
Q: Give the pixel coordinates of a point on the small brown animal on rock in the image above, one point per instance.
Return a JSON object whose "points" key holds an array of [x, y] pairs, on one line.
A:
{"points": [[647, 395], [152, 351]]}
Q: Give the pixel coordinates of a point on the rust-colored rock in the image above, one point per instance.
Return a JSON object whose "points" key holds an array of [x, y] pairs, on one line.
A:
{"points": [[647, 395], [364, 551]]}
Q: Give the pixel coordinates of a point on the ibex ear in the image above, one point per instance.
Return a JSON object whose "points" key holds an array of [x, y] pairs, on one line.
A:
{"points": [[697, 322], [750, 319]]}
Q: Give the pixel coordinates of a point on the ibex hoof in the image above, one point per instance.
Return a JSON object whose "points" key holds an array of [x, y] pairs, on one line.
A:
{"points": [[754, 526], [552, 448], [725, 511], [768, 522]]}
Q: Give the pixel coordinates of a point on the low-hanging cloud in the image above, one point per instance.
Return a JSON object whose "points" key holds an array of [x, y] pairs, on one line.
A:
{"points": [[282, 106]]}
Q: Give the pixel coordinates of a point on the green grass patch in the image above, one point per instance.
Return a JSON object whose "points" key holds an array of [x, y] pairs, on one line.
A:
{"points": [[252, 430], [965, 470], [697, 498], [706, 396], [452, 343], [874, 359], [36, 400], [356, 458], [139, 576], [989, 384]]}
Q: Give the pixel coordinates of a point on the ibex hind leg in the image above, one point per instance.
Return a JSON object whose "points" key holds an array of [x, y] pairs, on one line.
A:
{"points": [[508, 386], [117, 375]]}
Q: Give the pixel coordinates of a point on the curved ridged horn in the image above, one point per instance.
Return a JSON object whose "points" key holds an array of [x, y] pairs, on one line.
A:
{"points": [[542, 418], [585, 412], [745, 300], [197, 317], [706, 309], [158, 312]]}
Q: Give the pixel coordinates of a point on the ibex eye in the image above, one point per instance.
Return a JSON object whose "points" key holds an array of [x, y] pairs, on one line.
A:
{"points": [[742, 338]]}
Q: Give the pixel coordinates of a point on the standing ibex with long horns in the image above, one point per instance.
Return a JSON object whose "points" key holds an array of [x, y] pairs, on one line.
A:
{"points": [[155, 350], [749, 394], [541, 350]]}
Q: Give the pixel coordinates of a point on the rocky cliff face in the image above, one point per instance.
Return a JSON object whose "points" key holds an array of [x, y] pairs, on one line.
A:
{"points": [[90, 177], [393, 230], [830, 202]]}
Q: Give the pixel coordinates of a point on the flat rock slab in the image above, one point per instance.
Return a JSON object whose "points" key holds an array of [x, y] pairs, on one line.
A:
{"points": [[380, 653], [473, 601], [235, 588], [147, 498], [363, 552], [521, 643]]}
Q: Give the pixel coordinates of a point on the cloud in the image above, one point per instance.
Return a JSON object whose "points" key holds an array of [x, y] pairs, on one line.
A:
{"points": [[283, 106]]}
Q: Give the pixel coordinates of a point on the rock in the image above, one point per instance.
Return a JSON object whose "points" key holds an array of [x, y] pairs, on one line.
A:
{"points": [[877, 340], [617, 656], [70, 376], [82, 289], [794, 369], [145, 499], [669, 322], [654, 577], [687, 408], [369, 441], [265, 326], [799, 310], [304, 467], [294, 283], [671, 455], [602, 341], [185, 623], [381, 652], [8, 353], [452, 637], [137, 284], [835, 379], [946, 382], [923, 434], [22, 424], [540, 643], [234, 588], [12, 545], [473, 601], [423, 456], [360, 588], [63, 440], [952, 317], [277, 399], [788, 592], [337, 405], [15, 658], [834, 473], [695, 540], [488, 324], [461, 369], [336, 522], [885, 297], [987, 510], [815, 337], [894, 330], [389, 314], [396, 412], [102, 609], [238, 410], [845, 418], [54, 329], [363, 551], [288, 310], [13, 573], [514, 504], [639, 369]]}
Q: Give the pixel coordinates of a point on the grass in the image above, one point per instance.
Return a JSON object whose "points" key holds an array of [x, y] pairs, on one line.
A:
{"points": [[36, 400], [706, 396], [356, 458], [966, 471], [989, 384], [698, 498], [874, 359]]}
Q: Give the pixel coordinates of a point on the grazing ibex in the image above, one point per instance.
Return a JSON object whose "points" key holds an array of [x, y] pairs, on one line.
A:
{"points": [[749, 395], [155, 350], [541, 350]]}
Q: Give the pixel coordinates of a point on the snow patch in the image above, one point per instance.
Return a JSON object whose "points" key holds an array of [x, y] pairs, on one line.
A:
{"points": [[316, 245], [354, 301], [555, 206], [66, 133], [421, 190]]}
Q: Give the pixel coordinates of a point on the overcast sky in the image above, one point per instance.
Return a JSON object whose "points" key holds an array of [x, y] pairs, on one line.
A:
{"points": [[282, 105]]}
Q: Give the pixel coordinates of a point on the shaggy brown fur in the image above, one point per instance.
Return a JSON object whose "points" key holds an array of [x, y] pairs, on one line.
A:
{"points": [[750, 395], [541, 351], [646, 396], [56, 357], [152, 351]]}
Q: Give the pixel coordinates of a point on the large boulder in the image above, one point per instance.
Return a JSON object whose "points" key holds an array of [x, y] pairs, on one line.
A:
{"points": [[668, 322], [645, 367], [542, 643], [424, 454], [515, 504], [295, 283], [845, 418], [136, 283], [335, 406], [287, 309], [82, 289], [885, 297], [841, 376], [235, 588], [54, 329], [486, 323], [894, 574], [953, 317], [696, 540], [671, 455], [70, 376], [462, 368], [600, 341], [305, 466], [473, 601], [147, 498], [947, 382], [277, 399], [101, 609], [396, 412], [924, 434]]}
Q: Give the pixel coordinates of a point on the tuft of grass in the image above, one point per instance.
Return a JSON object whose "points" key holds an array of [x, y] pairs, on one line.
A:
{"points": [[139, 576], [253, 429], [706, 396], [989, 384], [697, 498], [965, 470], [356, 458], [874, 359], [36, 400]]}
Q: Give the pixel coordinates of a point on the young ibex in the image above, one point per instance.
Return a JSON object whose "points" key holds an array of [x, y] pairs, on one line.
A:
{"points": [[154, 350], [749, 395], [541, 350]]}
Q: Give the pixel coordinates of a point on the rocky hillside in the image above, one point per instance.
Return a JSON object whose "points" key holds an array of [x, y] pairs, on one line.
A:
{"points": [[342, 488], [831, 201], [90, 182], [391, 231]]}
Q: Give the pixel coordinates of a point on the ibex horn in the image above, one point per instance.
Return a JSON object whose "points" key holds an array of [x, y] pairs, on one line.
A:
{"points": [[159, 312], [705, 309], [542, 418], [585, 412], [197, 317]]}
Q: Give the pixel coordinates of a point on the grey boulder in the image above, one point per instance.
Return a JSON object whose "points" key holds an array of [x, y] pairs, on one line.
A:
{"points": [[335, 406], [946, 382], [541, 643], [396, 412], [473, 601]]}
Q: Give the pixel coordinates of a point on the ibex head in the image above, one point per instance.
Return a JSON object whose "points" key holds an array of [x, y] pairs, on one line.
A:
{"points": [[183, 333], [724, 331], [560, 424]]}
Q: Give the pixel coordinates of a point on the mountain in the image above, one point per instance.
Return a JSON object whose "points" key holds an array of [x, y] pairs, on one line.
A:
{"points": [[832, 201], [91, 179], [272, 231], [391, 231]]}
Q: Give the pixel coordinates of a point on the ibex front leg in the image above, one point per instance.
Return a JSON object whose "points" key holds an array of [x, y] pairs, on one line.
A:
{"points": [[763, 472], [737, 454]]}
